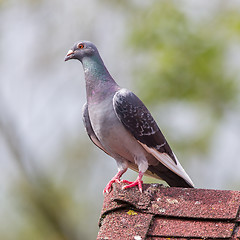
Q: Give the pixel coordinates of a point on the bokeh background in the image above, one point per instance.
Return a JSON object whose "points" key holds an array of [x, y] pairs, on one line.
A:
{"points": [[181, 57]]}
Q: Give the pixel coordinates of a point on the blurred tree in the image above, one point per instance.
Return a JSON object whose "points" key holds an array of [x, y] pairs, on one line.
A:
{"points": [[45, 204], [183, 60]]}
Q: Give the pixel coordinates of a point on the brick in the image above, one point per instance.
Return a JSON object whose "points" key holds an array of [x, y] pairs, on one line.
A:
{"points": [[196, 203], [190, 228], [125, 224]]}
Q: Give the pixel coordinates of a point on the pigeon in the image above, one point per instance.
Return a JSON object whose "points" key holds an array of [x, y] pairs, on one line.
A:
{"points": [[118, 122]]}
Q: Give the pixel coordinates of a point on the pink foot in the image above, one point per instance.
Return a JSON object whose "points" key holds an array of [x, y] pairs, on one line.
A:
{"points": [[107, 189], [116, 179], [126, 181], [138, 182]]}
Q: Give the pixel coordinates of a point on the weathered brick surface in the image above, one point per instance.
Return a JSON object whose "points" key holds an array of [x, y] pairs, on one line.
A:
{"points": [[161, 213], [190, 228], [125, 224]]}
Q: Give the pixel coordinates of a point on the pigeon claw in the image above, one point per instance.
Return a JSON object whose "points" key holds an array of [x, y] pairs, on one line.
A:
{"points": [[133, 184], [107, 189], [116, 179], [126, 181], [138, 182]]}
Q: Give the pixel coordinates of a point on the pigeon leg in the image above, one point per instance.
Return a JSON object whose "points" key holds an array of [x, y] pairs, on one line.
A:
{"points": [[138, 182], [116, 179]]}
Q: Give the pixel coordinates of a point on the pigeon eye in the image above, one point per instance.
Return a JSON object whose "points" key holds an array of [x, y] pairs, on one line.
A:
{"points": [[80, 45]]}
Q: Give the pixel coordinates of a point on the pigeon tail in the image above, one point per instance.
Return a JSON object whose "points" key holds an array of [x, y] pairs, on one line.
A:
{"points": [[169, 176]]}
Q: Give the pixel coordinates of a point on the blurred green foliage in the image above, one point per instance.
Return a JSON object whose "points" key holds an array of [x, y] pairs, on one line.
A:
{"points": [[184, 59], [44, 203]]}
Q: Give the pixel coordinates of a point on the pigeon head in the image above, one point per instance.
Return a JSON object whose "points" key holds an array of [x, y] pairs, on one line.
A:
{"points": [[80, 50]]}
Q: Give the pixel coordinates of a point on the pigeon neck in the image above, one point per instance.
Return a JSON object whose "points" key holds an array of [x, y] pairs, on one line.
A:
{"points": [[98, 80], [95, 70]]}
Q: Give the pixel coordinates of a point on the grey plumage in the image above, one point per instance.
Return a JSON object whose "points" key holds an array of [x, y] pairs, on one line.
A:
{"points": [[89, 129], [118, 123]]}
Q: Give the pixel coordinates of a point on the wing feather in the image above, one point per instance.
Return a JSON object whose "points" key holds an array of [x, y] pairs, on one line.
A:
{"points": [[139, 122]]}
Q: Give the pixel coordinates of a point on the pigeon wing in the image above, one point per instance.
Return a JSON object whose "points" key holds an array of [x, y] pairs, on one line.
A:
{"points": [[139, 122]]}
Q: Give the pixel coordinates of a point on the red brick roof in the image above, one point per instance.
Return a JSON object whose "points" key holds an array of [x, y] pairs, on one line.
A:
{"points": [[163, 213]]}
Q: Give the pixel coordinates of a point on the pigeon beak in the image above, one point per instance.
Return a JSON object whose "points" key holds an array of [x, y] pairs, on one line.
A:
{"points": [[69, 55]]}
